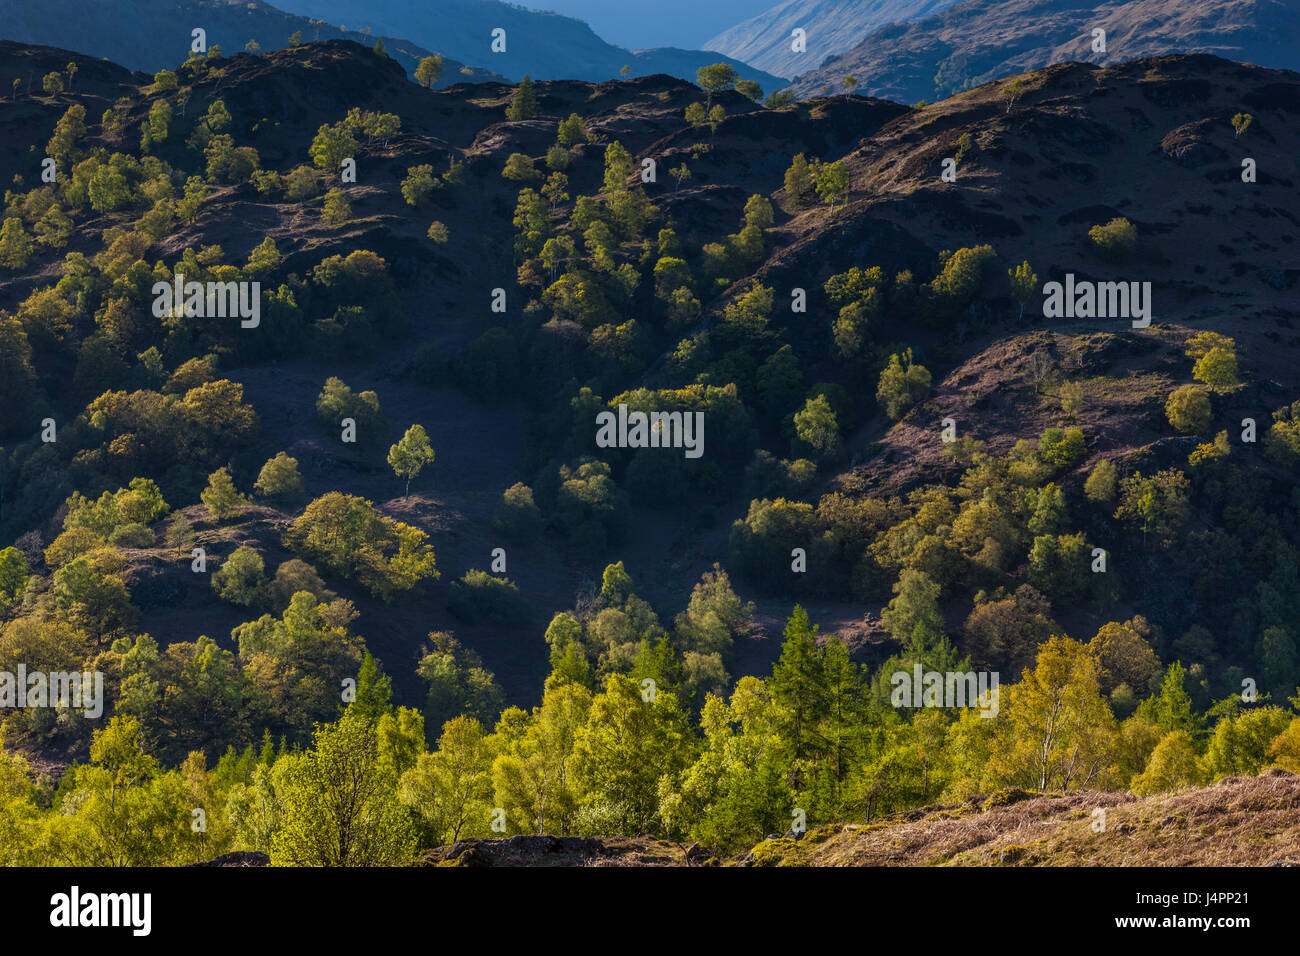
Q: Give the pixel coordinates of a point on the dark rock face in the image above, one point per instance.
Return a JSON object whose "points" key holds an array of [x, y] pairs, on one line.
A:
{"points": [[237, 858], [567, 851]]}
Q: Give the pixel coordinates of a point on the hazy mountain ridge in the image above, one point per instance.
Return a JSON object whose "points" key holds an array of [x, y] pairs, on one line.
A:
{"points": [[830, 26], [152, 35], [545, 45], [980, 40]]}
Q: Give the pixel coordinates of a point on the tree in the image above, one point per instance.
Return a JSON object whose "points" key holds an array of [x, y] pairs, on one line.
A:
{"points": [[1240, 123], [450, 789], [571, 132], [438, 232], [524, 104], [1024, 285], [295, 38], [750, 90], [1013, 92], [680, 173], [1159, 504], [832, 182], [241, 579], [340, 803], [850, 84], [15, 245], [519, 168], [280, 478], [621, 753], [429, 71], [902, 384], [1173, 764], [419, 184], [798, 179], [1217, 368], [912, 616], [336, 210], [517, 516], [1054, 730], [52, 82], [411, 453], [333, 144], [13, 577], [815, 425], [71, 71], [252, 46], [715, 78], [1188, 410], [220, 495], [1100, 486]]}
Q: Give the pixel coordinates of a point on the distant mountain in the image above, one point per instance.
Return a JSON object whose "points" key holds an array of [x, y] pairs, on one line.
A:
{"points": [[152, 35], [545, 45], [980, 40], [830, 26]]}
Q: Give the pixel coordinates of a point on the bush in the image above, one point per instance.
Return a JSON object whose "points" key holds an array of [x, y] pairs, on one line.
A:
{"points": [[346, 535], [1116, 240], [1100, 486], [419, 185], [517, 517], [1188, 410], [241, 579], [293, 576], [902, 384], [479, 595], [280, 479]]}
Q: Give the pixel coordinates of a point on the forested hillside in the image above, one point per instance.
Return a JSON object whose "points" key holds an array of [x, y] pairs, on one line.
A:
{"points": [[364, 574]]}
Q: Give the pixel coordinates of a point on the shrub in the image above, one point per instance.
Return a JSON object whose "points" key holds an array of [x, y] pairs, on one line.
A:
{"points": [[241, 579], [1116, 240], [1188, 410], [517, 517], [479, 595], [280, 478]]}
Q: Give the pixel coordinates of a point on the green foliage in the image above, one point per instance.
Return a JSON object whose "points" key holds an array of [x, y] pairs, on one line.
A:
{"points": [[13, 577], [570, 131], [523, 105], [1158, 505], [1100, 486], [428, 71], [482, 596], [410, 454], [336, 211], [340, 804], [347, 536], [241, 579], [716, 78], [1114, 241], [337, 402], [902, 384], [1188, 410], [520, 169], [280, 479], [831, 181], [220, 496], [457, 683], [815, 425], [419, 184], [517, 517]]}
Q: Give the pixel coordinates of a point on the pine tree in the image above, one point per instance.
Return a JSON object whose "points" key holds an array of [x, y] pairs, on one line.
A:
{"points": [[524, 104]]}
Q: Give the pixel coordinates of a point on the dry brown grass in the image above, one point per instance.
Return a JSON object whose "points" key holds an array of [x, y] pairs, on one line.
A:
{"points": [[1252, 821]]}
